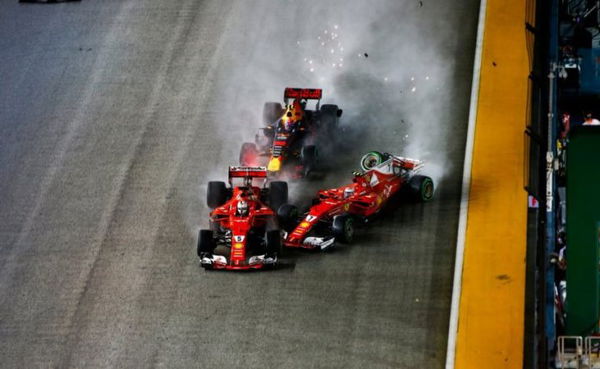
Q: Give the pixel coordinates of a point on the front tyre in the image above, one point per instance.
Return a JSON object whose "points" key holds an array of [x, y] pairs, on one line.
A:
{"points": [[273, 239], [343, 228], [309, 158], [206, 242]]}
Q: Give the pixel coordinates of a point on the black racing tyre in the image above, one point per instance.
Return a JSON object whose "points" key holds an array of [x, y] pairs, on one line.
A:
{"points": [[329, 114], [206, 242], [216, 195], [273, 239], [371, 160], [278, 194], [343, 228], [248, 154], [421, 188], [309, 157], [272, 111], [288, 215]]}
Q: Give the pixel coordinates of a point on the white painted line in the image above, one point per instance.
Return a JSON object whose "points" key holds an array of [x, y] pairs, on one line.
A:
{"points": [[466, 187]]}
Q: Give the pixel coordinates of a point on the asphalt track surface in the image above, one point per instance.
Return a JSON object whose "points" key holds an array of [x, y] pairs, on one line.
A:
{"points": [[112, 119]]}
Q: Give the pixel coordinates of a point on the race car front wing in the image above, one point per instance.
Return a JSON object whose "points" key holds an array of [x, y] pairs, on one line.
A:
{"points": [[220, 262]]}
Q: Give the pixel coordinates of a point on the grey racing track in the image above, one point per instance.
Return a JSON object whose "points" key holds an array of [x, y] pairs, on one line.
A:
{"points": [[113, 116]]}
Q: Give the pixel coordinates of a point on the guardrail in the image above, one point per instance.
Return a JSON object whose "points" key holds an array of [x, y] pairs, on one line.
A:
{"points": [[577, 352]]}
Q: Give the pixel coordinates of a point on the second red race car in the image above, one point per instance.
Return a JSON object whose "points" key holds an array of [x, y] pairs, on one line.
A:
{"points": [[289, 141], [244, 232], [335, 211]]}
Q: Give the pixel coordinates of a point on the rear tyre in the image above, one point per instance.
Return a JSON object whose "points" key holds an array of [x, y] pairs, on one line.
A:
{"points": [[272, 111], [273, 239], [248, 154], [421, 188], [329, 114], [216, 194], [287, 214], [206, 242], [343, 228], [278, 194]]}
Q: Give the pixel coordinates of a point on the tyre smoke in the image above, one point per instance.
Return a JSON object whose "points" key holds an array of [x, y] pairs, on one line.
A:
{"points": [[393, 81]]}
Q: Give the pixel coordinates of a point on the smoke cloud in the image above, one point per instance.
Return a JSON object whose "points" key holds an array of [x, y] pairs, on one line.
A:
{"points": [[381, 61]]}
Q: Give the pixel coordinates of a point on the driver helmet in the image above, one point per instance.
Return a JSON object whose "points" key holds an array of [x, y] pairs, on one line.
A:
{"points": [[348, 191], [293, 114], [242, 208]]}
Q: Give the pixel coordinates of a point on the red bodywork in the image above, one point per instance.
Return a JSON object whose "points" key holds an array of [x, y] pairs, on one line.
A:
{"points": [[241, 227], [371, 192]]}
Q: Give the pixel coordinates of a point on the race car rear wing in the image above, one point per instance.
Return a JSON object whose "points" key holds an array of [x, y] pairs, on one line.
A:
{"points": [[302, 93], [247, 172]]}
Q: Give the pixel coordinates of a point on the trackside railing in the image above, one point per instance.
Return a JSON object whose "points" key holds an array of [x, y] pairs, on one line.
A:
{"points": [[577, 352], [569, 353]]}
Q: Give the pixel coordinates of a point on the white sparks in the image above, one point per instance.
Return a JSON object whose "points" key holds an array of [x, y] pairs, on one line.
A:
{"points": [[333, 65], [427, 78], [310, 62], [322, 44], [413, 89], [385, 79], [312, 69], [335, 26], [332, 51], [412, 78], [325, 31]]}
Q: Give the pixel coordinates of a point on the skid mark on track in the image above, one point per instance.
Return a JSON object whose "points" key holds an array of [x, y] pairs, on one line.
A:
{"points": [[72, 129], [119, 185], [117, 343]]}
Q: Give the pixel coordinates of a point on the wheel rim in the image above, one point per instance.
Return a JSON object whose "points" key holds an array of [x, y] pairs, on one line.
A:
{"points": [[427, 191], [367, 157]]}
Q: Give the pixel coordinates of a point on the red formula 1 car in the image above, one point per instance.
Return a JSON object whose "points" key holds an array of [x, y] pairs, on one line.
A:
{"points": [[334, 211], [290, 137], [244, 233]]}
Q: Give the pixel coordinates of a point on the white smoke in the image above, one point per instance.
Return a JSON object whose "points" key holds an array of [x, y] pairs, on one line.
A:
{"points": [[382, 61]]}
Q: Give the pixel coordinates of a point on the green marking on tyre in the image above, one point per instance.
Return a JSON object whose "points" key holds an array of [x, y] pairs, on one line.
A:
{"points": [[427, 189], [376, 154]]}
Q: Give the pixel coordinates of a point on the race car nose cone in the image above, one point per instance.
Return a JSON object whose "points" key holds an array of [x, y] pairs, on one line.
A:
{"points": [[274, 165]]}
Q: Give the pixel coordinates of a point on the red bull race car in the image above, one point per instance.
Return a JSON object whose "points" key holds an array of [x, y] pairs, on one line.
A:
{"points": [[335, 211], [244, 232], [288, 142]]}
